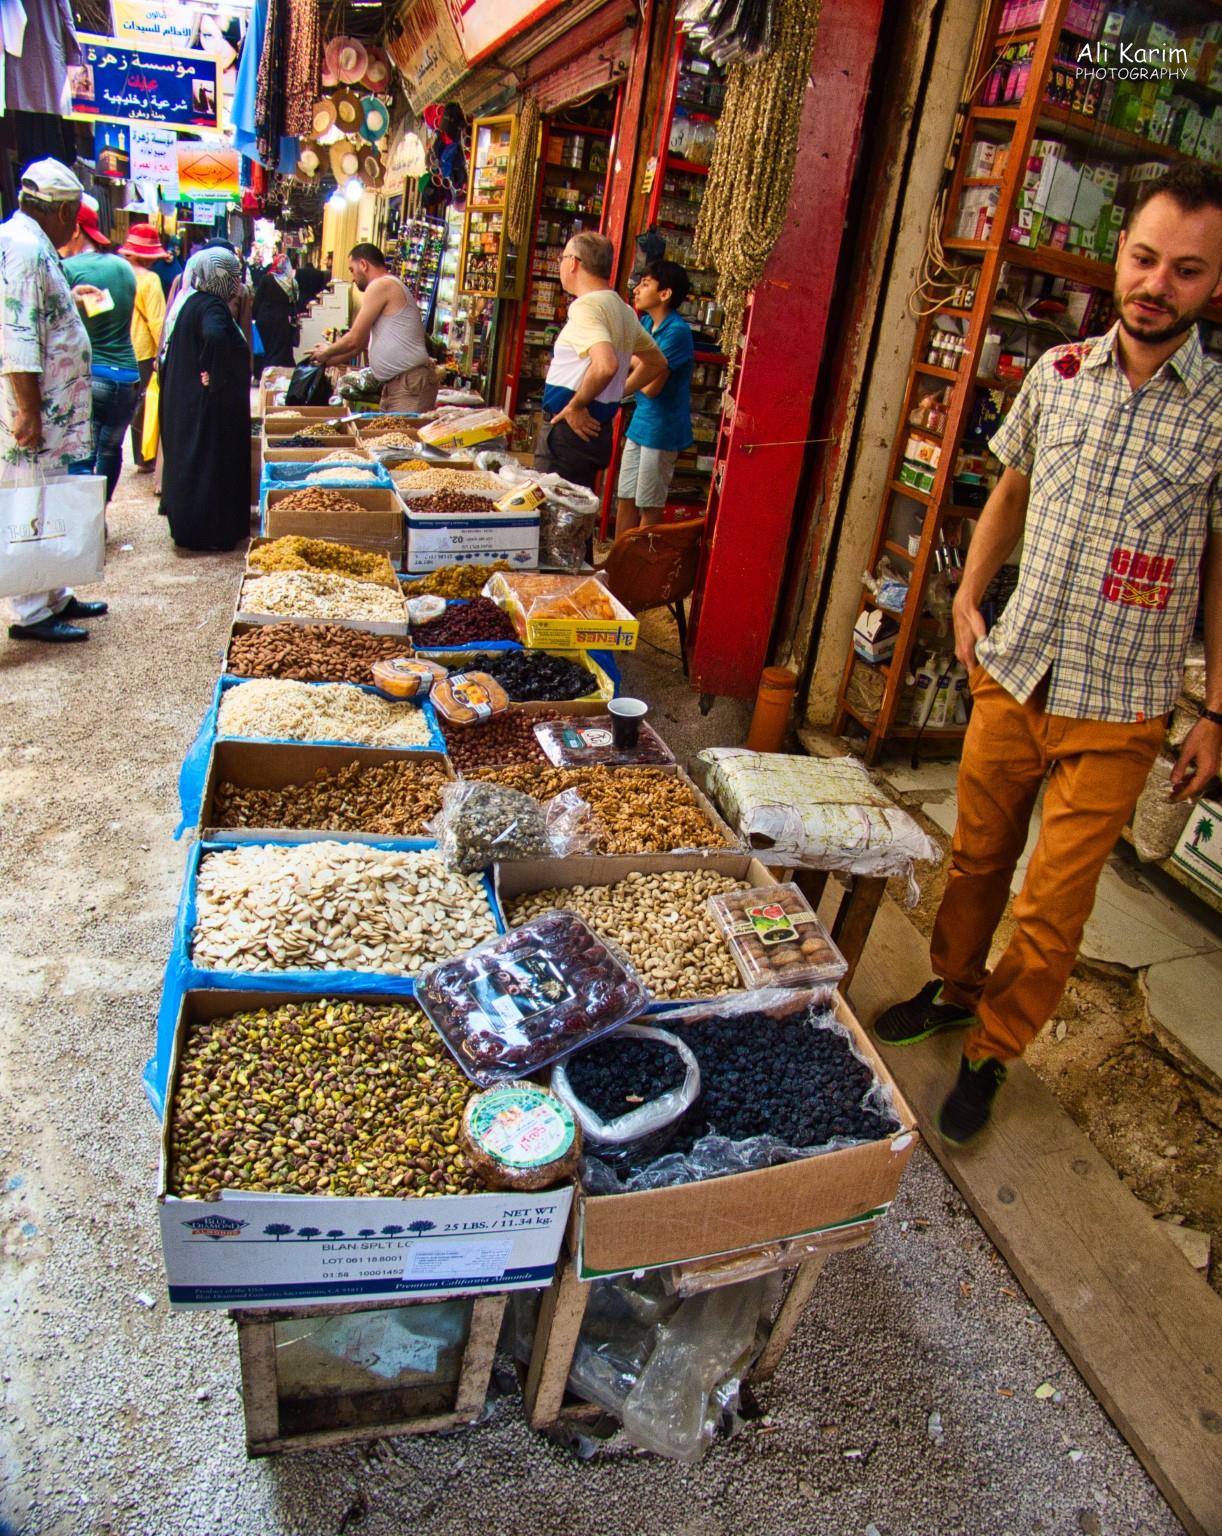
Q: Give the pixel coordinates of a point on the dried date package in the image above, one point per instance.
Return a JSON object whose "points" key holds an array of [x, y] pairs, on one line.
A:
{"points": [[521, 1137], [529, 997], [481, 824], [582, 741], [776, 938]]}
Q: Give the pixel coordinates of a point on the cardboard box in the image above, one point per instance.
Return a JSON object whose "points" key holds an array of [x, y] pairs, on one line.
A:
{"points": [[1199, 850], [377, 528], [621, 1234], [273, 765], [260, 1250]]}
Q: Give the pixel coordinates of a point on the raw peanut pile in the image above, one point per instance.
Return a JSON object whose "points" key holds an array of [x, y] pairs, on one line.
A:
{"points": [[295, 553], [319, 1097], [315, 653], [430, 478], [333, 712], [321, 595], [313, 500], [662, 923], [506, 738], [333, 906], [635, 810], [468, 623], [454, 580], [395, 799]]}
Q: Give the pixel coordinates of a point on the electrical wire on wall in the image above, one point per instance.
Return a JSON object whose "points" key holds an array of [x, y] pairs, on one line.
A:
{"points": [[939, 278]]}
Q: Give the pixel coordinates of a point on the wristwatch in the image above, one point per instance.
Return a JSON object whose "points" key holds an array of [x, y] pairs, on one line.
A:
{"points": [[1212, 714]]}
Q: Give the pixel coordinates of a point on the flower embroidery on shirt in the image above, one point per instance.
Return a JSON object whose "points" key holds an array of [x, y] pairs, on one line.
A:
{"points": [[1068, 360]]}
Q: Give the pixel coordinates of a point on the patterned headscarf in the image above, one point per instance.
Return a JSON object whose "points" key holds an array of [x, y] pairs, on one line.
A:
{"points": [[211, 269]]}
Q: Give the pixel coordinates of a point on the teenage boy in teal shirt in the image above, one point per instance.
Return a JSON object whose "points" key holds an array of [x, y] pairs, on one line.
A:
{"points": [[661, 425]]}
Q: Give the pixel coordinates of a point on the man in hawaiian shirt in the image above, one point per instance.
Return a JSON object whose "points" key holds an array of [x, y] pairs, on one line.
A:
{"points": [[1112, 476], [45, 389]]}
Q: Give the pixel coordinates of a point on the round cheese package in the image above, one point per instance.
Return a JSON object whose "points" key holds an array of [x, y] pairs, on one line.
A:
{"points": [[521, 1136]]}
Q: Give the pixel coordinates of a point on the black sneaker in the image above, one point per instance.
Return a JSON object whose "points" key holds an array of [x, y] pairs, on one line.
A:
{"points": [[921, 1016], [966, 1111]]}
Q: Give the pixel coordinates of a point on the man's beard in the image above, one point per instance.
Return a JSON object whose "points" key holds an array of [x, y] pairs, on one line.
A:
{"points": [[1176, 326]]}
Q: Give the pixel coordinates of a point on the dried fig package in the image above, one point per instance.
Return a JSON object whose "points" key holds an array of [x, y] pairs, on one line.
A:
{"points": [[529, 997], [776, 938]]}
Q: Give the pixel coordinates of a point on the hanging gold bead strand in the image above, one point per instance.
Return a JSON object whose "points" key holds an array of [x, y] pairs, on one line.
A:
{"points": [[754, 155], [520, 200]]}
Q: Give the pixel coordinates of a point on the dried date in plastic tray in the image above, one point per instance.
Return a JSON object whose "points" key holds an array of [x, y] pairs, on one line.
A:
{"points": [[582, 742], [529, 997]]}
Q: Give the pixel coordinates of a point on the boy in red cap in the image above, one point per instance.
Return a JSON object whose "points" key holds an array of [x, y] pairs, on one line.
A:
{"points": [[142, 248]]}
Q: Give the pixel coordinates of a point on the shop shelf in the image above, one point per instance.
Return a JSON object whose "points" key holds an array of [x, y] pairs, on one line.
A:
{"points": [[1102, 137], [899, 550], [901, 489], [934, 371], [688, 167]]}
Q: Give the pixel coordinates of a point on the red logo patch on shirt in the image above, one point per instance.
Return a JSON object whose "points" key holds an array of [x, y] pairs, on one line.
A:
{"points": [[1139, 580], [1068, 360]]}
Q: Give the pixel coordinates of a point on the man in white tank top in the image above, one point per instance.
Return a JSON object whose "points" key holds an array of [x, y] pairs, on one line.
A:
{"points": [[388, 324]]}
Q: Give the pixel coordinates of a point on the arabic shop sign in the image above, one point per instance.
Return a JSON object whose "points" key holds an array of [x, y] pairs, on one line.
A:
{"points": [[427, 51], [118, 82]]}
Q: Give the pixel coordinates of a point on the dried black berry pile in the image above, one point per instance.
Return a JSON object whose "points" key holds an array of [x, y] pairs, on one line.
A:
{"points": [[614, 1076], [780, 1077], [527, 675]]}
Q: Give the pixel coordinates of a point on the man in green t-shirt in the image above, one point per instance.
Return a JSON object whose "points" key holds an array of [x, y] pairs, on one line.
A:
{"points": [[115, 374]]}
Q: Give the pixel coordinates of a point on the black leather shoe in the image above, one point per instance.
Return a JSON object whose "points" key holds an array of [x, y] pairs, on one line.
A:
{"points": [[74, 608], [53, 630]]}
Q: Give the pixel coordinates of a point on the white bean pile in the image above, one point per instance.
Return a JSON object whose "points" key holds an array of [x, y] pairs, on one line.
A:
{"points": [[322, 595], [448, 480], [331, 712], [332, 906]]}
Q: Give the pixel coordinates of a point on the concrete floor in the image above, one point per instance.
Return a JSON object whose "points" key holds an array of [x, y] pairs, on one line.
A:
{"points": [[118, 1417]]}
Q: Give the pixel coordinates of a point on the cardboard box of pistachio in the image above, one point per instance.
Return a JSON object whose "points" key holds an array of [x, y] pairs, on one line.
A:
{"points": [[226, 1245]]}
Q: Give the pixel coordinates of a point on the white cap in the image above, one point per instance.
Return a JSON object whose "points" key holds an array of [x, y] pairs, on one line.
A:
{"points": [[50, 181], [90, 202]]}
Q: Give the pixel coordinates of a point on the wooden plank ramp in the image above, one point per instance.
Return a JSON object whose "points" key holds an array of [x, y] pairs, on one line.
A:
{"points": [[1141, 1326]]}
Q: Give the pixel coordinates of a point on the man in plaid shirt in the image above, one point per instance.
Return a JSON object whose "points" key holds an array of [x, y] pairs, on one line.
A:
{"points": [[1112, 476]]}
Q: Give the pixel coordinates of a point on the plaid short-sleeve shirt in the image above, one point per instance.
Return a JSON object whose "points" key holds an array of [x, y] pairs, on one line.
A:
{"points": [[1126, 486]]}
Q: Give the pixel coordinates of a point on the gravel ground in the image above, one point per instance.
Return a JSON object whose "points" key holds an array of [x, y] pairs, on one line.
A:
{"points": [[118, 1417]]}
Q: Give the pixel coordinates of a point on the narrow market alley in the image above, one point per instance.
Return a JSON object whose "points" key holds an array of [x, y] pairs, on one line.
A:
{"points": [[923, 1393]]}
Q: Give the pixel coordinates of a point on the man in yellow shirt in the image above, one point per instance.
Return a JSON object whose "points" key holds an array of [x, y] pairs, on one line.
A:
{"points": [[142, 248]]}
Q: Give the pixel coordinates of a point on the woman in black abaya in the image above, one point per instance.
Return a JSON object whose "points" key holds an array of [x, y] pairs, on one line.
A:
{"points": [[205, 408]]}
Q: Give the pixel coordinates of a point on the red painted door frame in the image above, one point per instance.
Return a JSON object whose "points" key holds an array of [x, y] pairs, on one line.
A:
{"points": [[761, 447]]}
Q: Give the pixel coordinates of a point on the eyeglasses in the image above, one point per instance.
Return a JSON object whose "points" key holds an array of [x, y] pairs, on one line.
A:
{"points": [[568, 256]]}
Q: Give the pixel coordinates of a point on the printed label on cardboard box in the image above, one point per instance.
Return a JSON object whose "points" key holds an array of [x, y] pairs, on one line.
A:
{"points": [[247, 1250]]}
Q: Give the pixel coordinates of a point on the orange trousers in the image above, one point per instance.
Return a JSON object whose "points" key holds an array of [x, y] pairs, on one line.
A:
{"points": [[1095, 771]]}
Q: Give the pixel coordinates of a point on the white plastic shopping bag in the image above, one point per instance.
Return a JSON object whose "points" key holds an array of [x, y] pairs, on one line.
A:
{"points": [[52, 533]]}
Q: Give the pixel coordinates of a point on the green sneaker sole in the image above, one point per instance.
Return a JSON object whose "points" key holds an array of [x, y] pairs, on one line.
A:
{"points": [[935, 1028]]}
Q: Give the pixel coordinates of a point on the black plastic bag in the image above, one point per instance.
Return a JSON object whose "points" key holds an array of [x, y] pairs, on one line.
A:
{"points": [[308, 386]]}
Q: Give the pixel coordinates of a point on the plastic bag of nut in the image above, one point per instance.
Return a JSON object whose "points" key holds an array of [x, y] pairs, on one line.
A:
{"points": [[480, 824], [776, 938], [521, 1001]]}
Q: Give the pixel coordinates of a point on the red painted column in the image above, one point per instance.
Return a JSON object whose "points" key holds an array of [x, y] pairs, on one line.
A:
{"points": [[751, 508]]}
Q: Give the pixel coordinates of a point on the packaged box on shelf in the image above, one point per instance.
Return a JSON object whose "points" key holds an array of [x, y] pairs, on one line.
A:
{"points": [[916, 476], [377, 527], [1199, 850], [918, 451], [619, 1234], [228, 1252], [874, 636]]}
